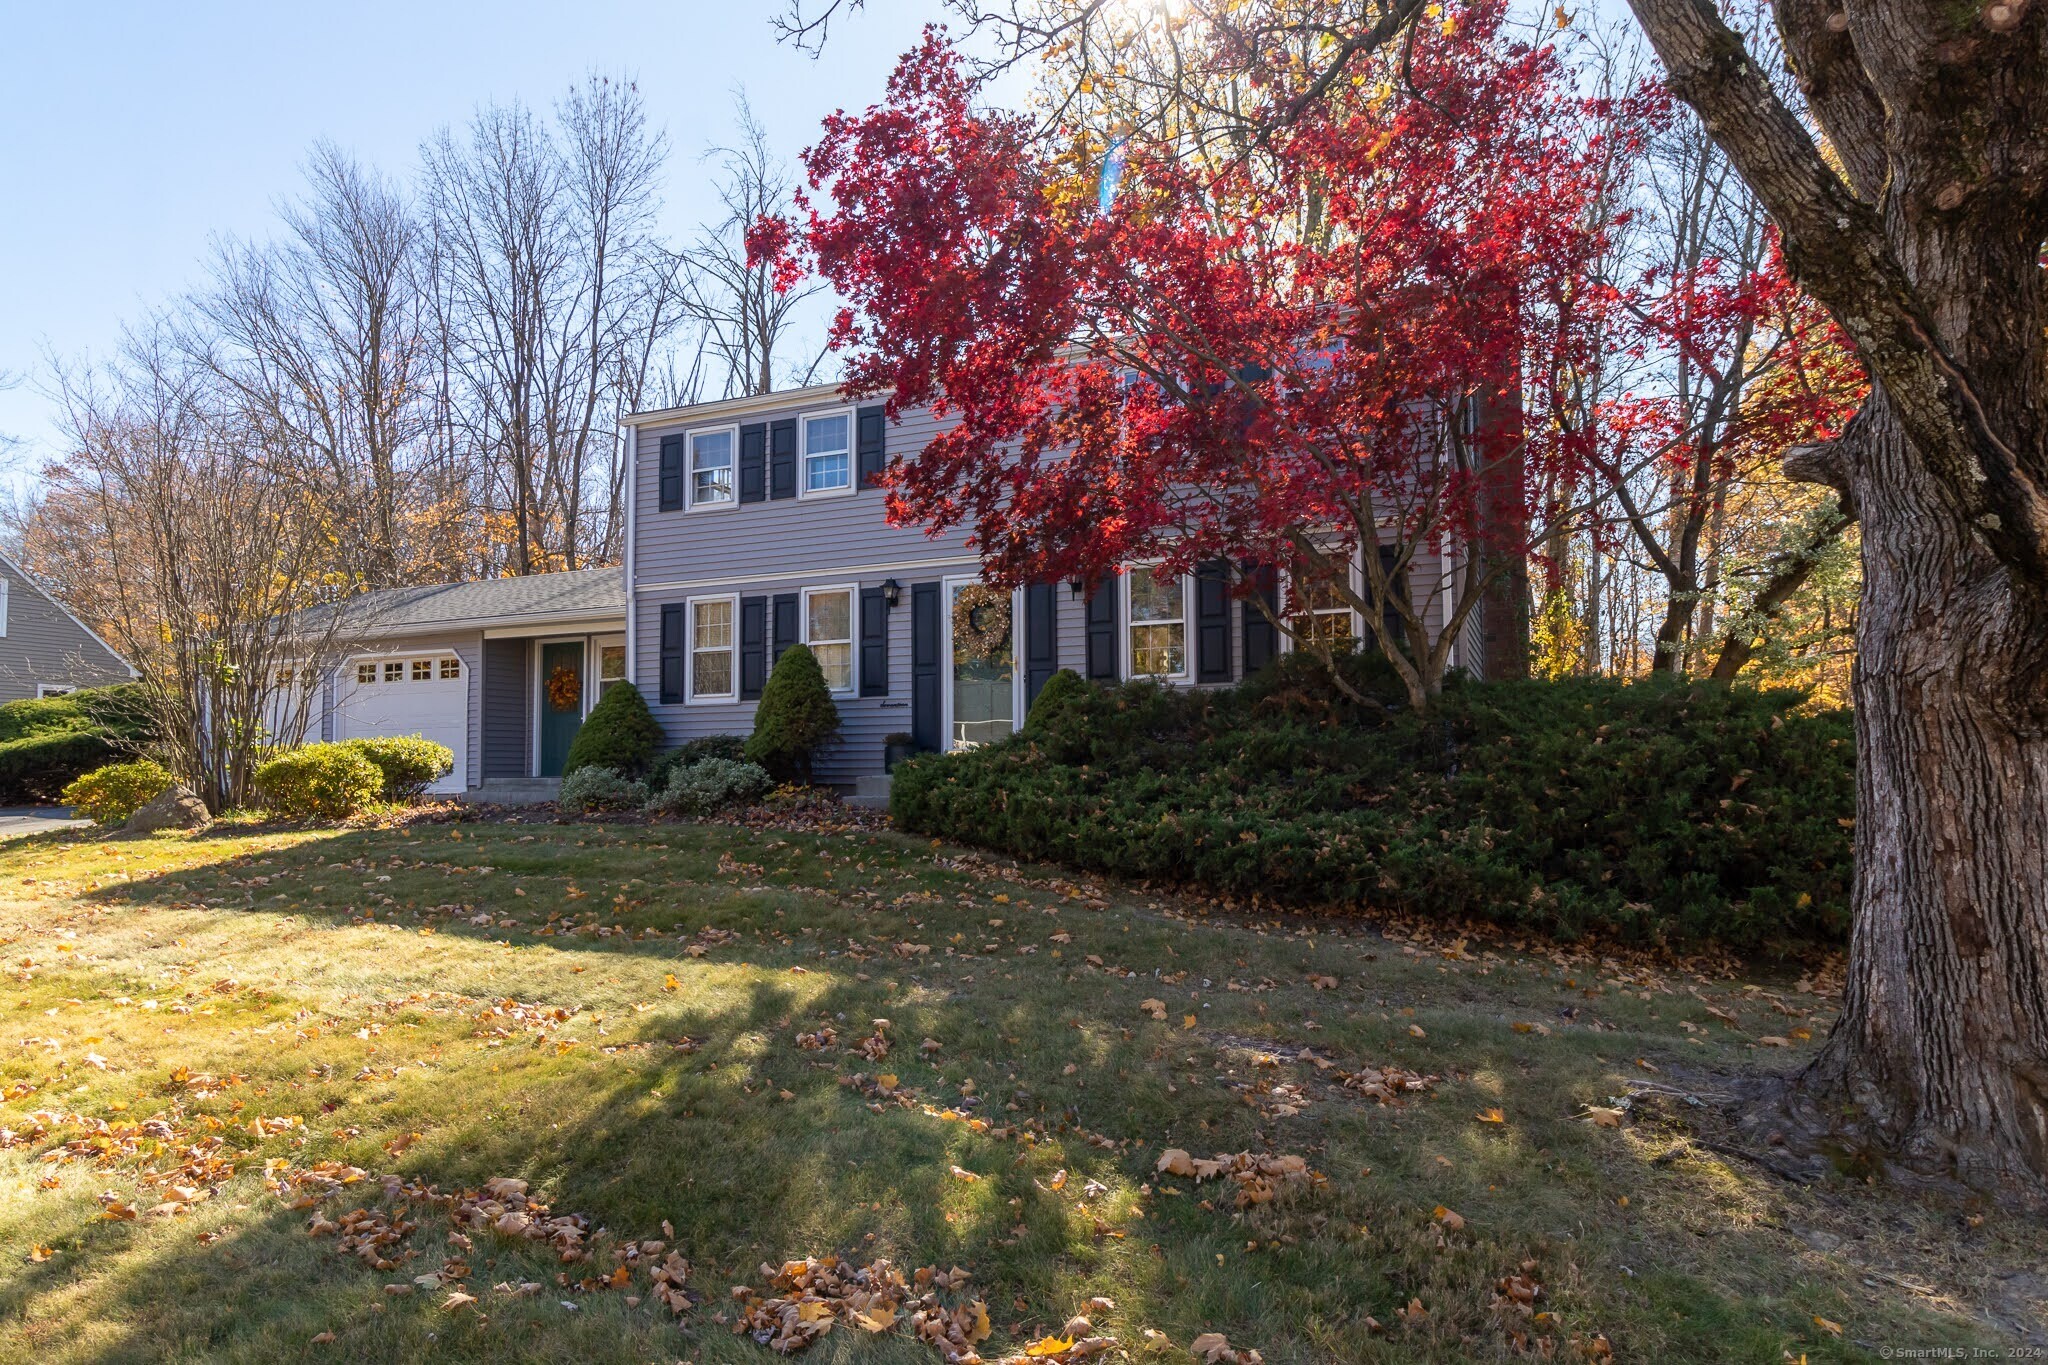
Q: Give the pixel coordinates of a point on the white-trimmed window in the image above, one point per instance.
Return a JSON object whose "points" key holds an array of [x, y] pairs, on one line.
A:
{"points": [[365, 674], [451, 668], [1158, 622], [827, 453], [422, 670], [394, 671], [611, 666], [828, 630], [1321, 615], [55, 689], [714, 656], [713, 457]]}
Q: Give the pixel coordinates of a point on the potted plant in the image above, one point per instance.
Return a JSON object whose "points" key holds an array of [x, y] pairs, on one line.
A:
{"points": [[896, 748]]}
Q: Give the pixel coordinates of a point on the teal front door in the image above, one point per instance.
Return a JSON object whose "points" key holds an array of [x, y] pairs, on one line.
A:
{"points": [[561, 703]]}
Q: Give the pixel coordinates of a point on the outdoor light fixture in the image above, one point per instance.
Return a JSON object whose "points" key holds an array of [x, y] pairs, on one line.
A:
{"points": [[892, 592], [1075, 585]]}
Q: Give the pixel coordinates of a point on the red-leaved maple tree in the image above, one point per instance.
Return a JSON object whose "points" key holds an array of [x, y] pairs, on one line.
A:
{"points": [[1312, 357]]}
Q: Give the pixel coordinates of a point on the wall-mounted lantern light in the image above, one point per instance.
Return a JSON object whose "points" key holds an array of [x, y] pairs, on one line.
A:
{"points": [[1075, 586], [892, 592]]}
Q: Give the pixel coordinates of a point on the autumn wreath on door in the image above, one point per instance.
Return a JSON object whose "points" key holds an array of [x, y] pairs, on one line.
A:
{"points": [[981, 624], [565, 688]]}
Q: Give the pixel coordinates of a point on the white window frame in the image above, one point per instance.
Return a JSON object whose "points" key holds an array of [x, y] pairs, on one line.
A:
{"points": [[803, 452], [55, 690], [852, 688], [1128, 654], [690, 503], [691, 697], [1355, 573]]}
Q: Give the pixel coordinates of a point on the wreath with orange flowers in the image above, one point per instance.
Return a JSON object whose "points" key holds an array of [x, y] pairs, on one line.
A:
{"points": [[565, 688]]}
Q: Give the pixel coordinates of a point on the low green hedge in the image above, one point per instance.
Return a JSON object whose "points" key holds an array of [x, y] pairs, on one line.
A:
{"points": [[46, 742], [108, 796], [1655, 811], [407, 764], [325, 781]]}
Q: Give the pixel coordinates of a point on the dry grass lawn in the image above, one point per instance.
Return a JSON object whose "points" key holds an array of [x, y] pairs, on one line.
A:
{"points": [[212, 1048]]}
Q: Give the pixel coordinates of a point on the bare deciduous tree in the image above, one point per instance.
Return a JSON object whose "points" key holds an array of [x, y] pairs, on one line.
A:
{"points": [[746, 318]]}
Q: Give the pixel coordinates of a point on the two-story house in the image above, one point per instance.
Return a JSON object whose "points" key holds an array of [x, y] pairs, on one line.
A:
{"points": [[752, 527]]}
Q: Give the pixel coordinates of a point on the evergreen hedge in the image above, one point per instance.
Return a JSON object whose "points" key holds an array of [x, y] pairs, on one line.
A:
{"points": [[46, 742], [1680, 812]]}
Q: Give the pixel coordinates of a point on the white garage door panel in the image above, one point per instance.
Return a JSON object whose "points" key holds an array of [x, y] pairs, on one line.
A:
{"points": [[435, 708]]}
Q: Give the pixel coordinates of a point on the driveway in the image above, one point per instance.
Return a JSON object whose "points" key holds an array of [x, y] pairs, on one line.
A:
{"points": [[19, 820]]}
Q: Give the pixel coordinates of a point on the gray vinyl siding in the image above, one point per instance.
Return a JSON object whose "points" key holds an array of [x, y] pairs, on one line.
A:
{"points": [[781, 537], [42, 644], [507, 721]]}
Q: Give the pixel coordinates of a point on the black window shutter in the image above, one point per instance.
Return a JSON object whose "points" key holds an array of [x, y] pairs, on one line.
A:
{"points": [[785, 626], [924, 665], [1041, 639], [874, 438], [874, 643], [672, 473], [754, 463], [1260, 639], [672, 652], [753, 646], [1397, 591], [1212, 621], [782, 458], [1102, 630]]}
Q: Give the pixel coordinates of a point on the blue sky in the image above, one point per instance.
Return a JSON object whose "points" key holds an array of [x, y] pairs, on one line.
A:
{"points": [[131, 134]]}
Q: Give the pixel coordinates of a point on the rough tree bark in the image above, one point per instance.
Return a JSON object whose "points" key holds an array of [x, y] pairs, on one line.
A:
{"points": [[1928, 255]]}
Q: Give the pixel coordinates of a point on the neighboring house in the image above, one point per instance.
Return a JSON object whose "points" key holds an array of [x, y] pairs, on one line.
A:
{"points": [[44, 649], [501, 671], [752, 527]]}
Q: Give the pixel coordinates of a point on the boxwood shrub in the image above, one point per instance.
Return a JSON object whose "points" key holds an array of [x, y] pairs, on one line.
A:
{"points": [[325, 781], [1680, 812], [408, 764], [108, 796]]}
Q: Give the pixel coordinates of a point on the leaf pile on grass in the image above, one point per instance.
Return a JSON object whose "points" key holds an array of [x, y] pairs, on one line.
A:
{"points": [[805, 1298], [1658, 812], [1259, 1179]]}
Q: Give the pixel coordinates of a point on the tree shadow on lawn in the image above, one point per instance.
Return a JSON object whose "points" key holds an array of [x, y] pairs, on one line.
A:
{"points": [[743, 1177]]}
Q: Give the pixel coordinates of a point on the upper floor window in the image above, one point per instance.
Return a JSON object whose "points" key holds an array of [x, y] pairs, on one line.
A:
{"points": [[711, 467], [828, 630], [1159, 623], [828, 453]]}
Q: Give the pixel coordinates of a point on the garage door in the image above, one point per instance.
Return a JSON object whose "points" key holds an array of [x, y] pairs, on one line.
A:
{"points": [[409, 694]]}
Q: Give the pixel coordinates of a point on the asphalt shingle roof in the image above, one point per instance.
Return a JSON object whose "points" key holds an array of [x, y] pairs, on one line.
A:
{"points": [[584, 592]]}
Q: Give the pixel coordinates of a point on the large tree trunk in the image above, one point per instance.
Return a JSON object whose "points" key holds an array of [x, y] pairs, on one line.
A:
{"points": [[1923, 238], [1939, 1064]]}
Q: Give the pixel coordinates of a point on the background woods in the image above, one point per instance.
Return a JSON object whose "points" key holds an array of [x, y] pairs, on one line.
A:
{"points": [[431, 368]]}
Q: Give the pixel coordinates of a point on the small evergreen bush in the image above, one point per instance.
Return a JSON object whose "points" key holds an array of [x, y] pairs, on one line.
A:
{"points": [[109, 795], [408, 764], [711, 785], [1059, 692], [794, 718], [620, 733], [733, 747], [1680, 812], [324, 781], [592, 788]]}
